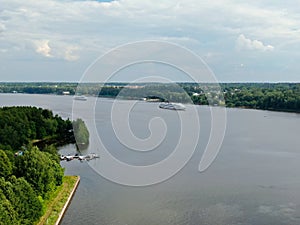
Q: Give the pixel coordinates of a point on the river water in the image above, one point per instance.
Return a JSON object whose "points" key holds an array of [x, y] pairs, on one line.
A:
{"points": [[254, 179]]}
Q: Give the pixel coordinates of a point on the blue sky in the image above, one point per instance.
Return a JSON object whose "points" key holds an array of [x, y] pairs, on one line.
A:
{"points": [[55, 40]]}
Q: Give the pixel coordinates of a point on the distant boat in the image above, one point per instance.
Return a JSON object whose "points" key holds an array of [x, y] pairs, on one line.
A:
{"points": [[171, 106], [80, 97]]}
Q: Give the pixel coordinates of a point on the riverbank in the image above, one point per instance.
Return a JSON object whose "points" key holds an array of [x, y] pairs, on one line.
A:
{"points": [[58, 204], [56, 140], [266, 96]]}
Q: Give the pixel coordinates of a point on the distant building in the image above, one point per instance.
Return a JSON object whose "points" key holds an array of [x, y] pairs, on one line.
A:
{"points": [[133, 86], [198, 94]]}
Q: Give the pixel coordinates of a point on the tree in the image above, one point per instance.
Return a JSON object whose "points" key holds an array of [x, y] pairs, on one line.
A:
{"points": [[20, 125], [39, 170], [5, 165], [27, 204], [8, 216], [52, 150]]}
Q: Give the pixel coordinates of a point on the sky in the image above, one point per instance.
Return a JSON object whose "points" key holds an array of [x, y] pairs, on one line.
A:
{"points": [[240, 41]]}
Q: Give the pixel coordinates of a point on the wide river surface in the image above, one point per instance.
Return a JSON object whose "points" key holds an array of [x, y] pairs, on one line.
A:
{"points": [[255, 178]]}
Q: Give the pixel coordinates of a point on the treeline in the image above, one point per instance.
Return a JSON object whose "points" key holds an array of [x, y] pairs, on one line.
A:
{"points": [[282, 97], [38, 88], [267, 96], [28, 175], [270, 96], [20, 125]]}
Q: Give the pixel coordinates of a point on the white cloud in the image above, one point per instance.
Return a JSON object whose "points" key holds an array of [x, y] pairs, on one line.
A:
{"points": [[2, 27], [204, 26], [42, 47], [3, 50], [243, 43], [70, 54], [57, 49], [123, 21]]}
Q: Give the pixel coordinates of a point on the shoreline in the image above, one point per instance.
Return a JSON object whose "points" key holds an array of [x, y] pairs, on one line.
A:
{"points": [[109, 98], [66, 205]]}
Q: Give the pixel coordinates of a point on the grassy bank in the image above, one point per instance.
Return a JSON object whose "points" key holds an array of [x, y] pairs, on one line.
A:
{"points": [[58, 199]]}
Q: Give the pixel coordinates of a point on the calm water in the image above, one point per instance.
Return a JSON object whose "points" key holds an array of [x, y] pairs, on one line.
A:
{"points": [[254, 180]]}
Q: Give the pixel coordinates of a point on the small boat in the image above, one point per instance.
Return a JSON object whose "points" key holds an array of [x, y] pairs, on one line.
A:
{"points": [[171, 106], [80, 97], [87, 157], [69, 157], [91, 156]]}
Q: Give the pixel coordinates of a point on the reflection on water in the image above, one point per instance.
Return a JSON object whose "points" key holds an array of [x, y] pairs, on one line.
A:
{"points": [[254, 180]]}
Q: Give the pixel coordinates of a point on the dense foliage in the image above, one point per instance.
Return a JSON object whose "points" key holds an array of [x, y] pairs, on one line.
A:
{"points": [[28, 175], [19, 125], [24, 182], [38, 88], [284, 97]]}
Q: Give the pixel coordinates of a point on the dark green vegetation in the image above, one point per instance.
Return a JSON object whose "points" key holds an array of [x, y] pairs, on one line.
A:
{"points": [[281, 97], [268, 96], [20, 125], [55, 204], [81, 134], [38, 88], [25, 182], [29, 176]]}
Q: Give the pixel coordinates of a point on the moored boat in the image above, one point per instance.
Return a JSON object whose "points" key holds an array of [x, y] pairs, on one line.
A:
{"points": [[171, 106]]}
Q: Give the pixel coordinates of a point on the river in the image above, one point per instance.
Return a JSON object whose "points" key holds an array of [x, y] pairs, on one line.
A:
{"points": [[254, 179]]}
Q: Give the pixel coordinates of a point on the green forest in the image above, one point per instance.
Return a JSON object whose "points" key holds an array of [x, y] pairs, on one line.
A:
{"points": [[28, 175], [266, 96]]}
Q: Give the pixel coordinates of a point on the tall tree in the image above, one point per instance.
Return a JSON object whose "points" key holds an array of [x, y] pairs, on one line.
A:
{"points": [[5, 165]]}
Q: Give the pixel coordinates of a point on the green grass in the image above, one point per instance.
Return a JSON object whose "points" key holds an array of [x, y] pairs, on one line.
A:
{"points": [[57, 200]]}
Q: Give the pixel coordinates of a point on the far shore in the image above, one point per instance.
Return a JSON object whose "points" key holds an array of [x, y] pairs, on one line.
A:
{"points": [[107, 97]]}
